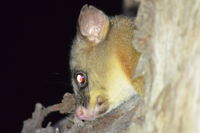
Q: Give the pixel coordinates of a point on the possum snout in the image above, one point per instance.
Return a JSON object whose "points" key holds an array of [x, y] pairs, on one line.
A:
{"points": [[91, 113]]}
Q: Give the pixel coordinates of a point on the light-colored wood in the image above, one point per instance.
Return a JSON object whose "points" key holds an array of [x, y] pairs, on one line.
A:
{"points": [[169, 37]]}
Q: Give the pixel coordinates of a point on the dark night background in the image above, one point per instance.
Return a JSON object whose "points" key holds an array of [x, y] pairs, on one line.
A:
{"points": [[35, 55]]}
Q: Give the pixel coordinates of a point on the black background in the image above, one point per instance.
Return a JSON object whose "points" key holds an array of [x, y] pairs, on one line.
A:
{"points": [[37, 37]]}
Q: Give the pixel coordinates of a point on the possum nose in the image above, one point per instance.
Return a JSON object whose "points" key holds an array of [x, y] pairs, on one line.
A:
{"points": [[84, 114], [79, 112]]}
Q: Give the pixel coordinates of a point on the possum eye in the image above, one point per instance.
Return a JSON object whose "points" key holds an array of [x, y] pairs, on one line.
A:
{"points": [[81, 79]]}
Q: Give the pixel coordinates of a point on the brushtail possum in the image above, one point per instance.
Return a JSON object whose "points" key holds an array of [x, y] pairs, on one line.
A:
{"points": [[103, 62]]}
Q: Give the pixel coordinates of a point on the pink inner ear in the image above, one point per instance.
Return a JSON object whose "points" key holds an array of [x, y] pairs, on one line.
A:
{"points": [[92, 22]]}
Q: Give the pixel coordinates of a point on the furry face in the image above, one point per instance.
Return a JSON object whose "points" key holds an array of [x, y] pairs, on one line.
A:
{"points": [[102, 62]]}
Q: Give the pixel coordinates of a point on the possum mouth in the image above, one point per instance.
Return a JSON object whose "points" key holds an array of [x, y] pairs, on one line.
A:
{"points": [[84, 113]]}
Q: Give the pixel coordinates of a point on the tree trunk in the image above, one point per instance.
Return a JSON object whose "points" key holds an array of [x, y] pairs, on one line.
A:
{"points": [[169, 36]]}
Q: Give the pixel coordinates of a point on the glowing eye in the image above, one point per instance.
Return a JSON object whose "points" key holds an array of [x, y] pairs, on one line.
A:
{"points": [[81, 79]]}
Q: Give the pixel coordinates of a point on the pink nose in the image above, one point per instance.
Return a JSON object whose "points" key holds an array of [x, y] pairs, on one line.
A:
{"points": [[84, 114], [79, 112]]}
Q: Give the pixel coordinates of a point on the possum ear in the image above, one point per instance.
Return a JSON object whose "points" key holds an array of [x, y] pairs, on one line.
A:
{"points": [[93, 24]]}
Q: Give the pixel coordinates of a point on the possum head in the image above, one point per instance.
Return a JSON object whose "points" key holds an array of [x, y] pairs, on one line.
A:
{"points": [[101, 62]]}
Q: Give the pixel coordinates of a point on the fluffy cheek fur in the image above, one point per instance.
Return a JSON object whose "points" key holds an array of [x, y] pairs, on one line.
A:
{"points": [[98, 101]]}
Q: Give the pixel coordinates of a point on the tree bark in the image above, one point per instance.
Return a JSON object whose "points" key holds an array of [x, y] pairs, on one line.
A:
{"points": [[169, 37]]}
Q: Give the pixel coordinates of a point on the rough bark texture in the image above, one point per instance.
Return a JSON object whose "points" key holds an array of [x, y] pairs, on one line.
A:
{"points": [[168, 35]]}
